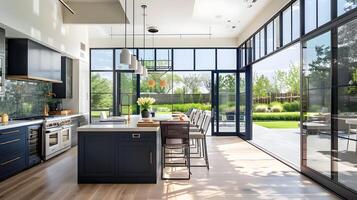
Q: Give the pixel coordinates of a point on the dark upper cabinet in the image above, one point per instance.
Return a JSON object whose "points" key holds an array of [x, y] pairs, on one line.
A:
{"points": [[2, 41], [2, 61], [64, 89], [29, 60]]}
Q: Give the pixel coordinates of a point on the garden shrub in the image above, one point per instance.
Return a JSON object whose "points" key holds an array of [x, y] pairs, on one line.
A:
{"points": [[261, 108], [274, 103], [291, 107], [284, 116], [277, 108], [180, 107]]}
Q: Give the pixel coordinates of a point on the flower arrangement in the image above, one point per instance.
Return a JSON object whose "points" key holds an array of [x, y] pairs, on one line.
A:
{"points": [[145, 102]]}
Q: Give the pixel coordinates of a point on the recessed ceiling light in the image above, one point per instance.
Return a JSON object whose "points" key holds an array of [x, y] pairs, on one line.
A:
{"points": [[229, 21], [218, 16]]}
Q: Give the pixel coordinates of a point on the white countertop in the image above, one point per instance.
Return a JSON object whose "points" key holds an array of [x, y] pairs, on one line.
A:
{"points": [[19, 123], [118, 126]]}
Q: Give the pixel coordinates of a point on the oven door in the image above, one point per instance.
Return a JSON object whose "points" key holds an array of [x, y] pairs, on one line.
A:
{"points": [[65, 137], [52, 142]]}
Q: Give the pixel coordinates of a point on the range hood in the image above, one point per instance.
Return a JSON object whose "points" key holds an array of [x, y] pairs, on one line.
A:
{"points": [[29, 60]]}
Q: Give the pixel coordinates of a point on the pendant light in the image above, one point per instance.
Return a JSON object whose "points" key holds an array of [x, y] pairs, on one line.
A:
{"points": [[140, 69], [134, 62], [125, 57]]}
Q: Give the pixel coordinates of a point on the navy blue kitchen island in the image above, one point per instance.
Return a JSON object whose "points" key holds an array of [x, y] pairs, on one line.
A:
{"points": [[118, 153]]}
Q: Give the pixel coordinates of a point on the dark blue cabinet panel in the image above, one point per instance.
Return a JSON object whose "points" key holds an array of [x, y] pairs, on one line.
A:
{"points": [[97, 155], [136, 159], [13, 151], [117, 157]]}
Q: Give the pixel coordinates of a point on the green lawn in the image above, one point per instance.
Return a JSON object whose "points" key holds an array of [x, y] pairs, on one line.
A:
{"points": [[277, 124]]}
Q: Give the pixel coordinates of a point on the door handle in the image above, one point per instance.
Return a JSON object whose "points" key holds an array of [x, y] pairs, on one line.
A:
{"points": [[9, 132], [8, 142], [10, 161], [150, 158], [135, 135]]}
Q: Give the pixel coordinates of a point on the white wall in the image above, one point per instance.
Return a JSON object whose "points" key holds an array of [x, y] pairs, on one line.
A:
{"points": [[80, 101], [41, 20], [267, 13], [164, 42]]}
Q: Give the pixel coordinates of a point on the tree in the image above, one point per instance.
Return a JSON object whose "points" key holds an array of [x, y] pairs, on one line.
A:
{"points": [[293, 79], [192, 83], [261, 86], [279, 82], [102, 92]]}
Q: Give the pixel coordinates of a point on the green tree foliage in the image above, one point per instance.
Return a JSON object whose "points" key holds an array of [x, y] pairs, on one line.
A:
{"points": [[261, 86], [227, 82], [102, 92], [293, 79]]}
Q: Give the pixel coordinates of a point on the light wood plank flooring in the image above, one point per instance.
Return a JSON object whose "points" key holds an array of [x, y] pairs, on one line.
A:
{"points": [[238, 171]]}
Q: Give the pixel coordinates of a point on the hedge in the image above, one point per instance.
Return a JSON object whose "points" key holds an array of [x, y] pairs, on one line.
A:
{"points": [[181, 107], [288, 116]]}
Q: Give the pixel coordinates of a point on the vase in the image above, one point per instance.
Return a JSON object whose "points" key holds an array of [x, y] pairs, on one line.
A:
{"points": [[145, 113]]}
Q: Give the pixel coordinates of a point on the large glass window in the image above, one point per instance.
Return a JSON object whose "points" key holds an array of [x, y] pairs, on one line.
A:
{"points": [[296, 20], [102, 59], [317, 13], [323, 12], [242, 103], [262, 42], [257, 46], [277, 33], [310, 15], [148, 55], [227, 59], [317, 103], [347, 104], [205, 59], [183, 59], [101, 94], [344, 6], [163, 59], [276, 104], [270, 38], [287, 26]]}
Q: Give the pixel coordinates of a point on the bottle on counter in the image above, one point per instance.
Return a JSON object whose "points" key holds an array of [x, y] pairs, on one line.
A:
{"points": [[5, 118]]}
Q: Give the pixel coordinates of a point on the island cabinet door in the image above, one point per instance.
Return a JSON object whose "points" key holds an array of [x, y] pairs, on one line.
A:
{"points": [[97, 156], [137, 160]]}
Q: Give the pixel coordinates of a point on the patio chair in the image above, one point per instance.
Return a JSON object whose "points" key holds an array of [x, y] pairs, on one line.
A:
{"points": [[200, 137], [175, 135], [351, 122]]}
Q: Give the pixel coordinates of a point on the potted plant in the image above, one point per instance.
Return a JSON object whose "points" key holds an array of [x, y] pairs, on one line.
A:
{"points": [[145, 103]]}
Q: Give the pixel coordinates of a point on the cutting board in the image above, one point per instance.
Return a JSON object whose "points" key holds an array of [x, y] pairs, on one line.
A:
{"points": [[148, 124], [61, 112]]}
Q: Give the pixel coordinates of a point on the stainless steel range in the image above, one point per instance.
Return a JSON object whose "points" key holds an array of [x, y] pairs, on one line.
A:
{"points": [[56, 137]]}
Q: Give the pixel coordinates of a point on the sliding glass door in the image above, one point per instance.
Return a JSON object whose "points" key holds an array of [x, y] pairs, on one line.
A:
{"points": [[224, 103], [126, 93]]}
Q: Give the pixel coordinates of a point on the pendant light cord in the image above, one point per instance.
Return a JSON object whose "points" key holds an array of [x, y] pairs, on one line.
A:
{"points": [[133, 24], [144, 32], [125, 23]]}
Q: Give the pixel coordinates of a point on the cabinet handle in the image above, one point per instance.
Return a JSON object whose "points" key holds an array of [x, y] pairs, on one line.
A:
{"points": [[11, 141], [9, 161], [150, 158], [9, 132], [135, 135]]}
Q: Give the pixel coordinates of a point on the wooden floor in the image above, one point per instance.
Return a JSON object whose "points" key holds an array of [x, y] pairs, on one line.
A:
{"points": [[238, 171]]}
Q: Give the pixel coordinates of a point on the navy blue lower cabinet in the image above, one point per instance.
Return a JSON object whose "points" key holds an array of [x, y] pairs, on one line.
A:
{"points": [[13, 151], [111, 157]]}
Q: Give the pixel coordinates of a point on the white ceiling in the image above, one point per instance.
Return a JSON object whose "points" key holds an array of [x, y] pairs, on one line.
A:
{"points": [[185, 17]]}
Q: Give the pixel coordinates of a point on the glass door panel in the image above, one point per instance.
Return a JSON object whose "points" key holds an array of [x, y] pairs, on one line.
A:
{"points": [[127, 93], [316, 104], [224, 103], [242, 101]]}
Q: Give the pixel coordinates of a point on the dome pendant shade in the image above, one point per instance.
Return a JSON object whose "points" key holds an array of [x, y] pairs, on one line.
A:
{"points": [[125, 57], [134, 63], [139, 69]]}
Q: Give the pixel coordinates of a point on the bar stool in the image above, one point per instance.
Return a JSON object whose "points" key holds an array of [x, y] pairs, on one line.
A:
{"points": [[200, 137], [175, 135]]}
